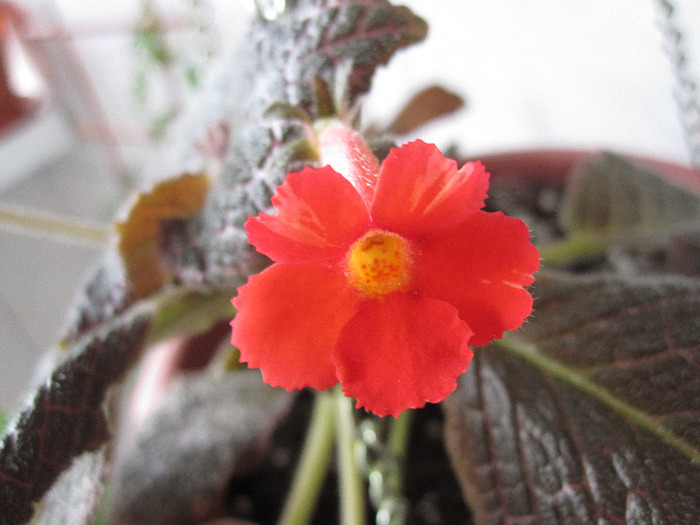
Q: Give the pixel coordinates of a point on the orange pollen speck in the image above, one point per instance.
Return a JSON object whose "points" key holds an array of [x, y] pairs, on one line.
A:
{"points": [[379, 263]]}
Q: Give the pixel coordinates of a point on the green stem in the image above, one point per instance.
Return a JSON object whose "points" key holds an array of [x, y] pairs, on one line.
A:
{"points": [[399, 434], [313, 464], [352, 498], [394, 508]]}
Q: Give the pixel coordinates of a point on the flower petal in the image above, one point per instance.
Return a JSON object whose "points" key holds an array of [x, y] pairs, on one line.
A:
{"points": [[346, 151], [288, 321], [319, 215], [481, 267], [401, 352], [420, 191]]}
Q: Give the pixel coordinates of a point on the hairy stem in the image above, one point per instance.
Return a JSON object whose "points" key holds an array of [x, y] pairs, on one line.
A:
{"points": [[313, 464], [399, 434], [352, 498]]}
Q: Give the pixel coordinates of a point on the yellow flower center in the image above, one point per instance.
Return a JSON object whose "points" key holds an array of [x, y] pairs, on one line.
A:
{"points": [[379, 263]]}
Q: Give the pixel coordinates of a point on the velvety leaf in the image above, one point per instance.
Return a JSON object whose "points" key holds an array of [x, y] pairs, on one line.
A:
{"points": [[591, 414], [105, 295], [684, 254], [173, 199], [66, 417], [612, 198], [208, 428], [74, 496], [337, 44], [320, 38]]}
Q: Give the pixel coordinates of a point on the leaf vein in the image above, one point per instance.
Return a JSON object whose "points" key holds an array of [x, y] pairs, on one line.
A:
{"points": [[530, 353]]}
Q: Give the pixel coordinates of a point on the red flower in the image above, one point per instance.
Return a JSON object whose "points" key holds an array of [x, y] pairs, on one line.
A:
{"points": [[382, 277]]}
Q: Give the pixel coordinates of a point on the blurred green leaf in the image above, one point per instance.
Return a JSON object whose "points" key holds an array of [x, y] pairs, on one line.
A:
{"points": [[149, 39], [141, 86], [611, 202], [616, 200], [161, 123], [192, 76], [187, 312]]}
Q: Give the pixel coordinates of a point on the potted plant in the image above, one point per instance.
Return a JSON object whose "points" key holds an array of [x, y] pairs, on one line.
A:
{"points": [[387, 286]]}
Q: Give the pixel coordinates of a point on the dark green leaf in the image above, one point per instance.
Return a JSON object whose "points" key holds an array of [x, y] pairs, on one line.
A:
{"points": [[74, 496], [592, 413], [66, 417], [612, 198]]}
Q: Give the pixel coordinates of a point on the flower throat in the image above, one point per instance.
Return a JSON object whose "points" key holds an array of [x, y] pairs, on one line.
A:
{"points": [[379, 263]]}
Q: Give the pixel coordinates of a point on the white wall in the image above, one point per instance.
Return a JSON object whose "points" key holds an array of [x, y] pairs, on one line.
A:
{"points": [[548, 73]]}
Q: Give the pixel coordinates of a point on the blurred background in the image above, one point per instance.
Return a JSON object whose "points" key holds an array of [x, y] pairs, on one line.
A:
{"points": [[88, 89]]}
